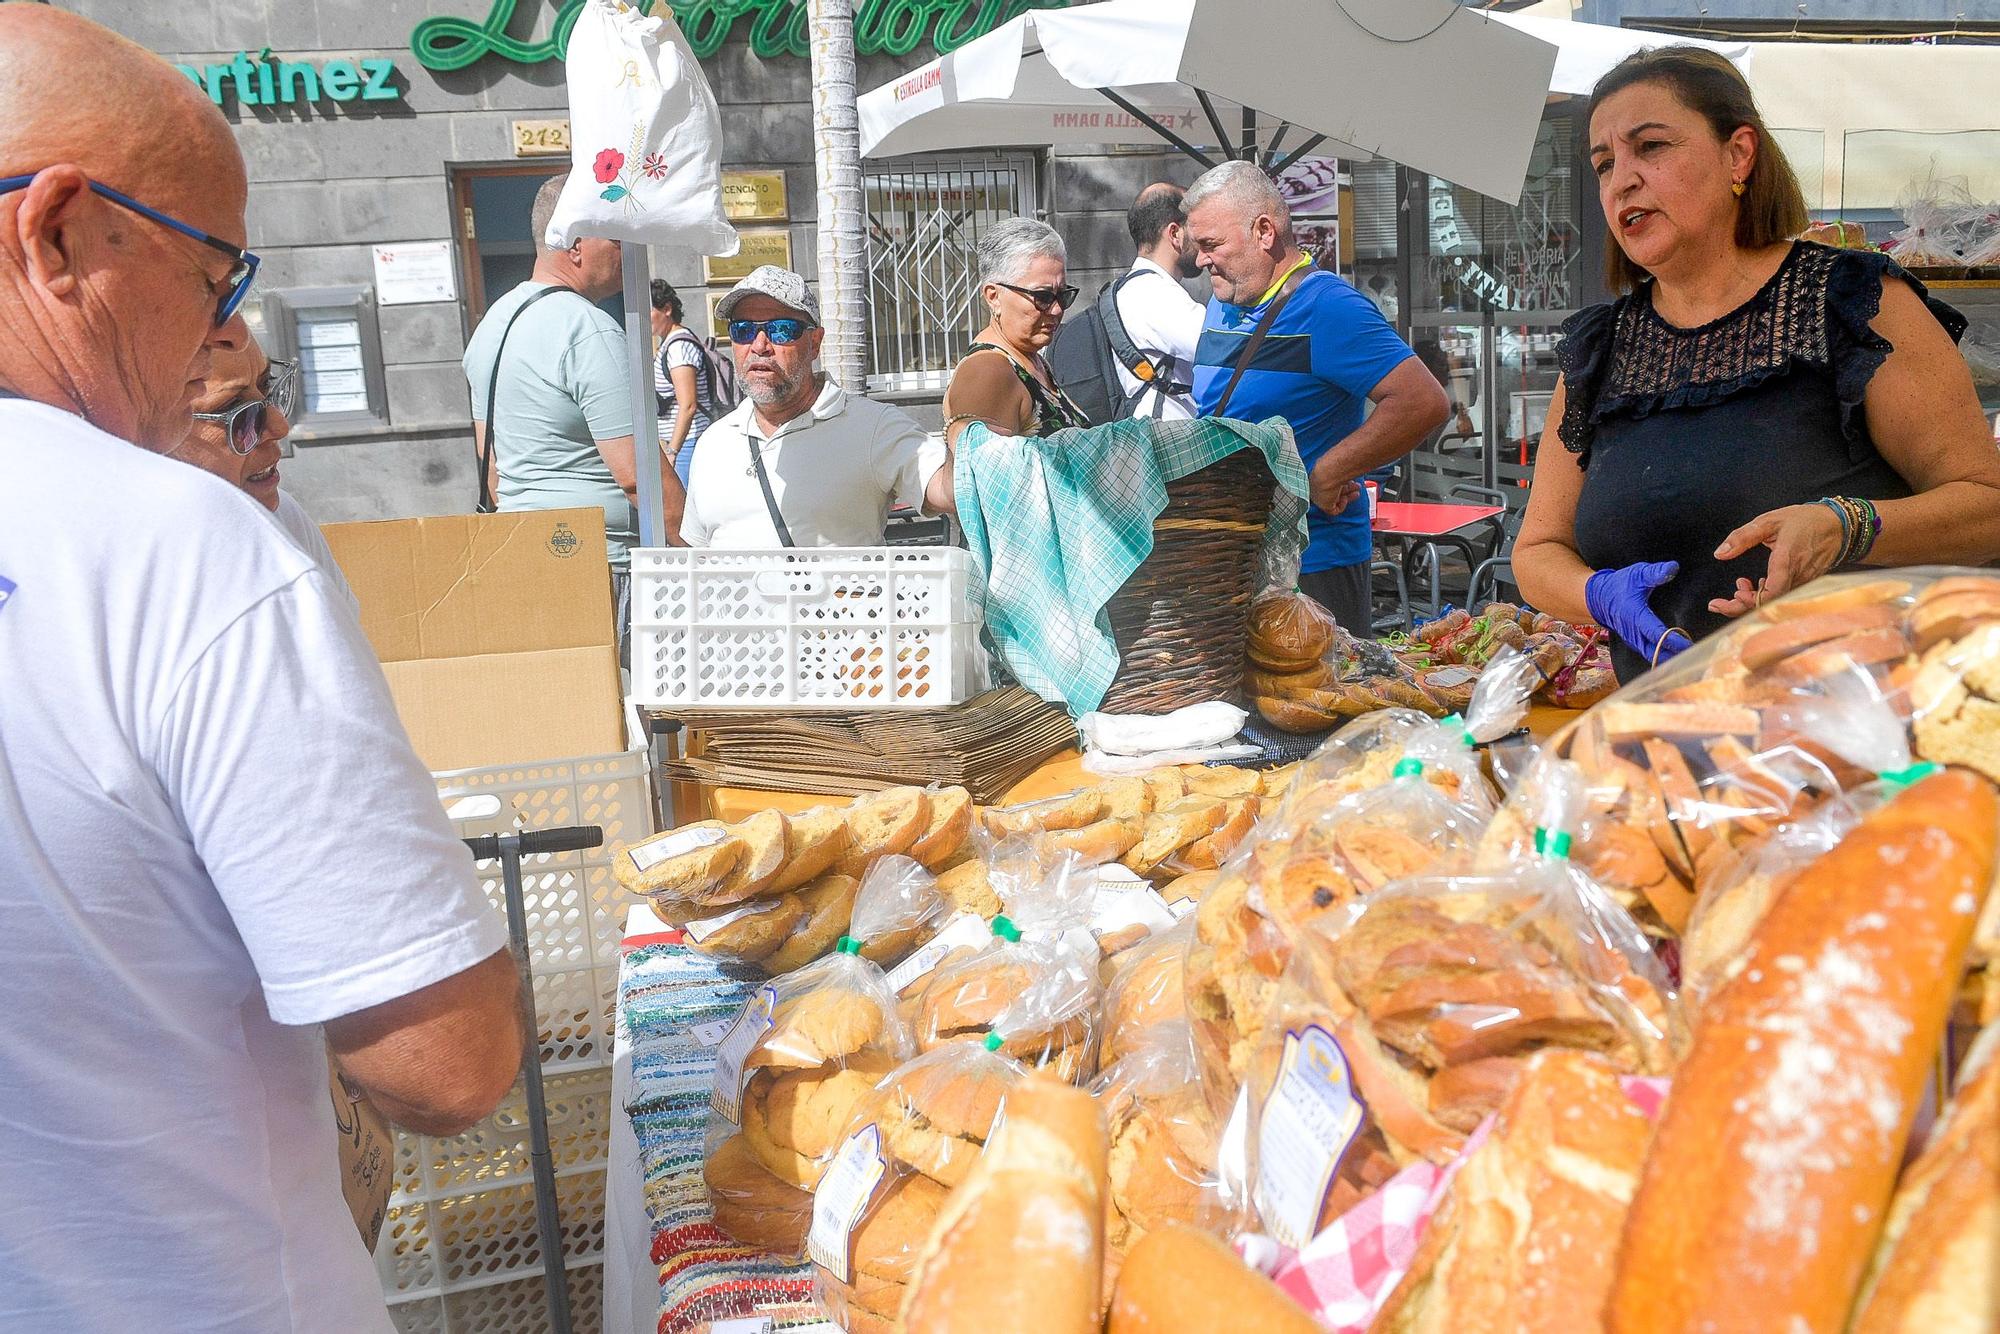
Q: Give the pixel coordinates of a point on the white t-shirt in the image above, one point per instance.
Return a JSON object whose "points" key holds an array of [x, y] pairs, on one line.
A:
{"points": [[835, 472], [1161, 318], [214, 836], [306, 536]]}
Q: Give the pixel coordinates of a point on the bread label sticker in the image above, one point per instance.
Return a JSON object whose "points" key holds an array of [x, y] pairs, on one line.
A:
{"points": [[1308, 1121], [1180, 908], [1447, 678], [699, 932], [648, 855], [1112, 875], [842, 1198], [964, 931], [711, 1035], [727, 1095], [1115, 908], [748, 1324]]}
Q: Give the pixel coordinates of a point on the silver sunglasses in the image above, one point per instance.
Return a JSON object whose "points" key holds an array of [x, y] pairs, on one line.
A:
{"points": [[243, 423]]}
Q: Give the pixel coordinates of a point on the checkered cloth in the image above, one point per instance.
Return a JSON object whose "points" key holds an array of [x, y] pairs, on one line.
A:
{"points": [[1059, 524], [664, 990], [1346, 1273]]}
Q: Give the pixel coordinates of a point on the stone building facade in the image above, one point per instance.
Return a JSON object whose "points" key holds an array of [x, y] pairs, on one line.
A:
{"points": [[337, 175]]}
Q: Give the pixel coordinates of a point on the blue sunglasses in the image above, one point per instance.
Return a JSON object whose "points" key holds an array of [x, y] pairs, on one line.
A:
{"points": [[240, 277], [781, 331]]}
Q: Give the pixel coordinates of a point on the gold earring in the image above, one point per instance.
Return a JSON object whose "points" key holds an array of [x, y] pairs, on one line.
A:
{"points": [[1737, 188]]}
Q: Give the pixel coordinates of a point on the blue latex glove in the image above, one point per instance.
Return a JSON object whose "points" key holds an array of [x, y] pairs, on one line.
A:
{"points": [[1618, 601]]}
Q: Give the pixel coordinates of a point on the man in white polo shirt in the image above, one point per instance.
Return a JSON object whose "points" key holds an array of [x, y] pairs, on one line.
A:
{"points": [[800, 461]]}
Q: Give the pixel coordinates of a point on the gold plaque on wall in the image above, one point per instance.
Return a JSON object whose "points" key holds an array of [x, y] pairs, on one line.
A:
{"points": [[540, 138], [716, 328], [760, 245], [753, 196]]}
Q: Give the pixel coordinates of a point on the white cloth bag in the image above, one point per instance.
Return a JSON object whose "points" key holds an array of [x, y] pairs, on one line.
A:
{"points": [[645, 136]]}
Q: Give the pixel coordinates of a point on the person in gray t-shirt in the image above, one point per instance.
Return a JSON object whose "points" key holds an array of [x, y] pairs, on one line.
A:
{"points": [[562, 419]]}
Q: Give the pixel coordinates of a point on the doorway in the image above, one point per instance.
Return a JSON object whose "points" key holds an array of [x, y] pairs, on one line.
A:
{"points": [[491, 205]]}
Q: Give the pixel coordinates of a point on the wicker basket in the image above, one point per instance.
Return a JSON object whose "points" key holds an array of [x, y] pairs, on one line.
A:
{"points": [[1181, 622]]}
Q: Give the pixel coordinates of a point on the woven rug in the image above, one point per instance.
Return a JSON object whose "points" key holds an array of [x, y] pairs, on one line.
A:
{"points": [[663, 991]]}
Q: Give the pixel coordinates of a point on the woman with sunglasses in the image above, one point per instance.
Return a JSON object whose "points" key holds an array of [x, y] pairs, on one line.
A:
{"points": [[1003, 381], [241, 419]]}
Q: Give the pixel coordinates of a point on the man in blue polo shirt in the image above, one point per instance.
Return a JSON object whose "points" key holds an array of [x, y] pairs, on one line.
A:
{"points": [[1328, 352]]}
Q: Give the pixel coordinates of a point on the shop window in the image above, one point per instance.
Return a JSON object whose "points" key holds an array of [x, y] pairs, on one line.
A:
{"points": [[331, 332], [925, 217]]}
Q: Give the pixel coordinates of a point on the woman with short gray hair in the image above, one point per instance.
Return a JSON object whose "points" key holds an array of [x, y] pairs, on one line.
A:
{"points": [[1003, 380]]}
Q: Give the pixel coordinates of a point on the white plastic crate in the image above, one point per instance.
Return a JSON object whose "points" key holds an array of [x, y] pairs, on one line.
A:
{"points": [[821, 627], [574, 905], [459, 1250], [516, 1306]]}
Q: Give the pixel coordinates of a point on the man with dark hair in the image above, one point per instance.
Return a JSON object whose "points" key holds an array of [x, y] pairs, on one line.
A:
{"points": [[560, 409], [1160, 318]]}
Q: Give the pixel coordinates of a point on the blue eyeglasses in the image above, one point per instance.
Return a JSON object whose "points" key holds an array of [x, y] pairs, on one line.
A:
{"points": [[240, 277], [781, 331]]}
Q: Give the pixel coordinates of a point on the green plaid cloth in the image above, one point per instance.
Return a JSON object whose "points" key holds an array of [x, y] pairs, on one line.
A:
{"points": [[1059, 524]]}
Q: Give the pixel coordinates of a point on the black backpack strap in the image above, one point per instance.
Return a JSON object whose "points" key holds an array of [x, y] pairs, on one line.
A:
{"points": [[1151, 371], [483, 459], [1258, 335]]}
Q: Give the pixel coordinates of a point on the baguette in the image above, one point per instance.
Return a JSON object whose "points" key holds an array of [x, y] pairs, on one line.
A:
{"points": [[1772, 1169], [1939, 1270], [1180, 1281], [1019, 1248], [1625, 721]]}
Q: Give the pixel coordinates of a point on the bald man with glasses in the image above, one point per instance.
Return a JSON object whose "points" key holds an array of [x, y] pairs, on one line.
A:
{"points": [[220, 860]]}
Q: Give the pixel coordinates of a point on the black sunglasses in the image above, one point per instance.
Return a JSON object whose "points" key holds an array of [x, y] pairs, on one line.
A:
{"points": [[782, 330], [1046, 298], [240, 275], [243, 423]]}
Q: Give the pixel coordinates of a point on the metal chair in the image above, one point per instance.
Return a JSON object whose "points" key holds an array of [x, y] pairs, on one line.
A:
{"points": [[1406, 620]]}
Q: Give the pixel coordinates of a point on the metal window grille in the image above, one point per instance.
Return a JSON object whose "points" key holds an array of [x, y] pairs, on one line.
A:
{"points": [[925, 216]]}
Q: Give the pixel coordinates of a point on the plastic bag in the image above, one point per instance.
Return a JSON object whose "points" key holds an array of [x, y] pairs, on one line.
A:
{"points": [[1945, 225], [1730, 910], [1323, 851], [1402, 1022], [907, 1145], [647, 135], [800, 1056], [1148, 990], [1163, 1140], [897, 909], [1809, 696]]}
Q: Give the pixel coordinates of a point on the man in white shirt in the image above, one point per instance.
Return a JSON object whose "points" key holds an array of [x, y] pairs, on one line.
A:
{"points": [[800, 461], [214, 837], [1162, 320]]}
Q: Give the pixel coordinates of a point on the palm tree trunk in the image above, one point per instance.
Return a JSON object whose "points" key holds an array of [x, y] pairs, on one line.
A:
{"points": [[843, 263]]}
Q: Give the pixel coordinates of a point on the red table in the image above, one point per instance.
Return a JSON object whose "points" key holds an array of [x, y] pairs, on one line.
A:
{"points": [[1425, 526]]}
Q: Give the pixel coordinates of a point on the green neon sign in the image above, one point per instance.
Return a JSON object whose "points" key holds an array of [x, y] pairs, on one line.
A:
{"points": [[777, 28]]}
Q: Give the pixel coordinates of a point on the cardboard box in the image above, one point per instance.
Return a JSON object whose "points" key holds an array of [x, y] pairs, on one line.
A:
{"points": [[494, 630]]}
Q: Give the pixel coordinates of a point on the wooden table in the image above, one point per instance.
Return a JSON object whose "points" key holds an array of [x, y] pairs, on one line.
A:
{"points": [[1062, 773]]}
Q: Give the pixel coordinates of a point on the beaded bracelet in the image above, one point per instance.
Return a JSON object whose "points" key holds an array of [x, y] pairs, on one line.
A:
{"points": [[1860, 525], [1846, 527]]}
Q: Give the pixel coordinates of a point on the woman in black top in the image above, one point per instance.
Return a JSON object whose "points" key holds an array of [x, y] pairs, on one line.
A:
{"points": [[1757, 410], [1002, 379]]}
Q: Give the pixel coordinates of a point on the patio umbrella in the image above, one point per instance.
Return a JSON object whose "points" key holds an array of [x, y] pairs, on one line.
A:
{"points": [[1585, 52], [1427, 83]]}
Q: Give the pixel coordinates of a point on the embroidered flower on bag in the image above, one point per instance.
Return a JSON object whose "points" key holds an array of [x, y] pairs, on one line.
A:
{"points": [[654, 168], [607, 165]]}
